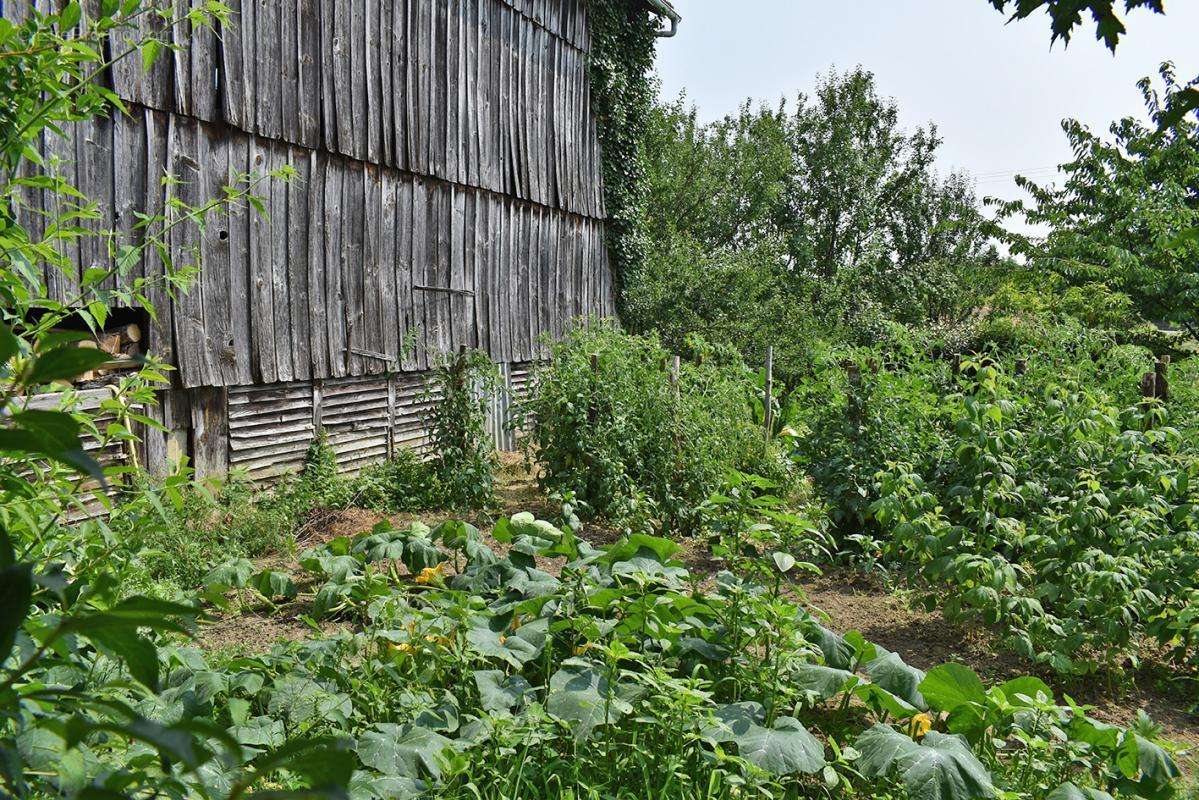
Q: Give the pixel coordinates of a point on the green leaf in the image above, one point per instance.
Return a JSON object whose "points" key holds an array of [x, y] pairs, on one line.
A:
{"points": [[948, 686], [65, 363], [581, 695], [272, 584], [837, 652], [823, 682], [1026, 686], [499, 693], [137, 652], [324, 762], [517, 648], [940, 768], [784, 749], [233, 574], [10, 345], [1068, 791], [300, 700], [69, 17], [404, 750], [174, 743], [891, 673], [16, 594]]}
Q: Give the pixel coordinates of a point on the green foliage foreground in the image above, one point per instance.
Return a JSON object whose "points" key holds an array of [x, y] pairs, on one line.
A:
{"points": [[563, 670]]}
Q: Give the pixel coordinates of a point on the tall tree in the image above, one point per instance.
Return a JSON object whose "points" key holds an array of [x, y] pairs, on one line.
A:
{"points": [[1123, 215]]}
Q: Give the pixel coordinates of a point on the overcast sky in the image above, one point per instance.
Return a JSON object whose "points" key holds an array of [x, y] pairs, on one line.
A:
{"points": [[996, 91]]}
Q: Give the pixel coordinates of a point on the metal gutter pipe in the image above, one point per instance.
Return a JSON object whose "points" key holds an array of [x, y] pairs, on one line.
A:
{"points": [[663, 8]]}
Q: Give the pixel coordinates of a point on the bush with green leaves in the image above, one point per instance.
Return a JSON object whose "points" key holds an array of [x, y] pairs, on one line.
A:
{"points": [[463, 452], [1068, 521], [405, 482], [606, 424]]}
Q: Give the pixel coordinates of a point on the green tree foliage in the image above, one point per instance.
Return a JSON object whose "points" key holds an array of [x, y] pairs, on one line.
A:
{"points": [[771, 221], [1066, 15], [1123, 215]]}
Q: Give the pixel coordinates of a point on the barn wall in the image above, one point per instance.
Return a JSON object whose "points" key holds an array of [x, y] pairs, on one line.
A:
{"points": [[448, 193]]}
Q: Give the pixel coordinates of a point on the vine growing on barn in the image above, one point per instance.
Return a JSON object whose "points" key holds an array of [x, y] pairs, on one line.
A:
{"points": [[622, 94]]}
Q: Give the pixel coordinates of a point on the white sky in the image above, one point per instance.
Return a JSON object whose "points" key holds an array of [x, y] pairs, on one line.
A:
{"points": [[997, 92]]}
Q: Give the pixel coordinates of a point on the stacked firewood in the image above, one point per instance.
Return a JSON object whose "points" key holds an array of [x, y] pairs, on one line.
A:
{"points": [[124, 344]]}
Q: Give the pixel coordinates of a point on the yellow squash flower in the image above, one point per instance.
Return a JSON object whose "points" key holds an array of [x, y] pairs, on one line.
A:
{"points": [[921, 724], [430, 575]]}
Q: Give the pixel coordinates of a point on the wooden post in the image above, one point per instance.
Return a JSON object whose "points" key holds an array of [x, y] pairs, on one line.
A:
{"points": [[1149, 394], [769, 393], [1162, 379], [592, 410]]}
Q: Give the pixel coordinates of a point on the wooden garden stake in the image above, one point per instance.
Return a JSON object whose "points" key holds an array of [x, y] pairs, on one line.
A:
{"points": [[769, 393]]}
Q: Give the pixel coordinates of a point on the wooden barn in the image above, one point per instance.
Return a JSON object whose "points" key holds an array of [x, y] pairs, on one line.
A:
{"points": [[448, 193]]}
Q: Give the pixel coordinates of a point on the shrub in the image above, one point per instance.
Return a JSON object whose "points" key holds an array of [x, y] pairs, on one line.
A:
{"points": [[464, 454], [1066, 521], [403, 483], [618, 436]]}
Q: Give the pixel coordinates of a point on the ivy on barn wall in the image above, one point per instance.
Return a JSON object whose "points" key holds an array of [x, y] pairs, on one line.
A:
{"points": [[622, 95]]}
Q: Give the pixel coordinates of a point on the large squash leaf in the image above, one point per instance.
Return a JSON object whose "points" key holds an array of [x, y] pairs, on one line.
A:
{"points": [[581, 695], [939, 768], [784, 749], [407, 751], [889, 672]]}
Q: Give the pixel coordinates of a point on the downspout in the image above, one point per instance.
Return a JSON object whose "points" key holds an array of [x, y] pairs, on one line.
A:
{"points": [[663, 8]]}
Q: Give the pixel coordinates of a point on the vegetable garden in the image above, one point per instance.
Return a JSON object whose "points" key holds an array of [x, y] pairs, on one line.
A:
{"points": [[636, 622]]}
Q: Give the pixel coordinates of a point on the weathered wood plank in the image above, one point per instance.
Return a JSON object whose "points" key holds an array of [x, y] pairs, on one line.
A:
{"points": [[372, 296], [389, 299], [343, 93], [329, 54], [352, 273], [161, 334], [268, 90], [191, 347], [372, 71], [280, 285], [421, 256], [308, 92], [261, 282], [241, 330], [317, 260], [358, 78], [335, 300], [205, 60], [289, 70], [210, 431], [298, 262], [221, 346], [407, 316], [461, 305], [233, 89]]}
